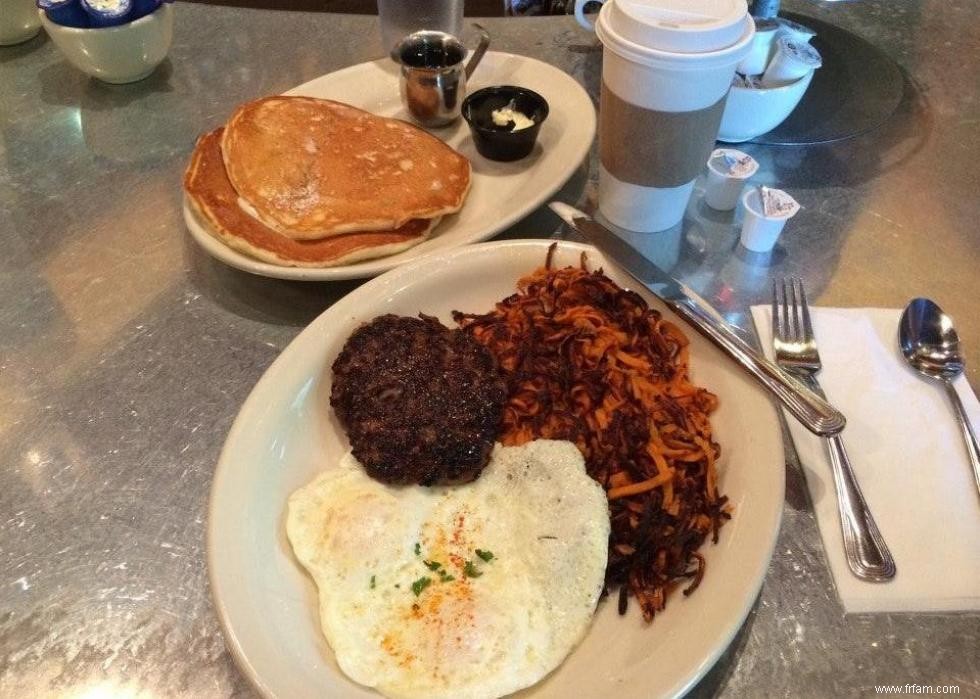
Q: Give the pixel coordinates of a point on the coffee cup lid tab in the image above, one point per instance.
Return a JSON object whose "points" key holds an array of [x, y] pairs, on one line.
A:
{"points": [[680, 26]]}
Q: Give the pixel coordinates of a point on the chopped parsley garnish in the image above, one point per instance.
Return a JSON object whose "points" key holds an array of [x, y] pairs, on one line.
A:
{"points": [[470, 570], [485, 555], [433, 565], [418, 549], [445, 577], [372, 582], [420, 585]]}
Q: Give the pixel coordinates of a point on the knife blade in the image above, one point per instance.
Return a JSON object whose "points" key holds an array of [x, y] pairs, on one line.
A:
{"points": [[815, 413]]}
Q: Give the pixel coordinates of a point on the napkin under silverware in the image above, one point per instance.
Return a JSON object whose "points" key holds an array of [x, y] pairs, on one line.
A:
{"points": [[909, 458]]}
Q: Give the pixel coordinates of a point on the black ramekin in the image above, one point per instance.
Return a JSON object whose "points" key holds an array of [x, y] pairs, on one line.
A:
{"points": [[499, 142]]}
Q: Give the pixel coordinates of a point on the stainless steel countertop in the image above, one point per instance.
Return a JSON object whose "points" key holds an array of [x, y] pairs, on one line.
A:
{"points": [[125, 351]]}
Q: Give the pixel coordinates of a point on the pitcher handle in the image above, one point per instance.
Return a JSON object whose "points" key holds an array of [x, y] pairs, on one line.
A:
{"points": [[580, 15], [481, 49]]}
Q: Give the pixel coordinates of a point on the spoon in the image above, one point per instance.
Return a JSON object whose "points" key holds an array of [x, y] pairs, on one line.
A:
{"points": [[931, 346]]}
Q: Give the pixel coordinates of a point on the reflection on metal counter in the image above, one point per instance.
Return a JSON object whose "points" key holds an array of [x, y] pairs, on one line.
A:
{"points": [[125, 351]]}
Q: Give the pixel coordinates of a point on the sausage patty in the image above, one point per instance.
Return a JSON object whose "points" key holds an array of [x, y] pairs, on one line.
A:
{"points": [[421, 403]]}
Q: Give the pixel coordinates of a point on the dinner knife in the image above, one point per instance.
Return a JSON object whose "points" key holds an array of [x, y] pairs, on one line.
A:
{"points": [[816, 414]]}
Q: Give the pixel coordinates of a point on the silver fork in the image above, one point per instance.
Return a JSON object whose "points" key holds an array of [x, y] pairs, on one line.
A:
{"points": [[796, 352]]}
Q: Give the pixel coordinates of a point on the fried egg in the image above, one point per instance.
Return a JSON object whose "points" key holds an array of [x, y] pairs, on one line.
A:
{"points": [[464, 591]]}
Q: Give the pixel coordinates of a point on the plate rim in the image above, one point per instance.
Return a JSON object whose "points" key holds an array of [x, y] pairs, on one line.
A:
{"points": [[374, 267], [251, 406]]}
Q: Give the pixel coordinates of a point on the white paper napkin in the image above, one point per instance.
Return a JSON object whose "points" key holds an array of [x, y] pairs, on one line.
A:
{"points": [[910, 461]]}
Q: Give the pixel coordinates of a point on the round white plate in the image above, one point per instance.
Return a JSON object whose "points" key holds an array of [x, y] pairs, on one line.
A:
{"points": [[286, 433], [500, 193]]}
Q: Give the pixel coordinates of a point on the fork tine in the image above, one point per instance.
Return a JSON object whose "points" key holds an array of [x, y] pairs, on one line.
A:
{"points": [[807, 325], [783, 318], [797, 325], [789, 334], [795, 347], [776, 329]]}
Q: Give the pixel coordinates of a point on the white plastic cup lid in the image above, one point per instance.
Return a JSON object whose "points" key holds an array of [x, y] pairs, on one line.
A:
{"points": [[795, 29], [771, 204], [800, 52], [678, 26], [732, 163]]}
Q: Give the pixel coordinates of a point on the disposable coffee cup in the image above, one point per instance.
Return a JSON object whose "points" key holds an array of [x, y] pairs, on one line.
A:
{"points": [[757, 59], [763, 223], [666, 71], [791, 62], [728, 171]]}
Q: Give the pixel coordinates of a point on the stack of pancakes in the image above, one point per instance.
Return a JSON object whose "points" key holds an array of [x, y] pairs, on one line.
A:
{"points": [[305, 182]]}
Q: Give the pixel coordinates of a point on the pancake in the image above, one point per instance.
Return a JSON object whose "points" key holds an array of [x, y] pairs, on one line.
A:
{"points": [[216, 203], [311, 168]]}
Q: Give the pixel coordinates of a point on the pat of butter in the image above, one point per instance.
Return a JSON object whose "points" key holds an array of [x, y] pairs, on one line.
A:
{"points": [[505, 115]]}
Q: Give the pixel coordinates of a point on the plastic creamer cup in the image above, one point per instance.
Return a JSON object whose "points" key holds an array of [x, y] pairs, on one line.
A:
{"points": [[791, 62], [728, 171], [67, 13], [107, 13], [761, 49], [796, 32], [666, 70], [766, 212]]}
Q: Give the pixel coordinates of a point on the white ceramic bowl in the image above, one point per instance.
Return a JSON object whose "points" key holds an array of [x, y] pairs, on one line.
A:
{"points": [[751, 112], [18, 21], [121, 54]]}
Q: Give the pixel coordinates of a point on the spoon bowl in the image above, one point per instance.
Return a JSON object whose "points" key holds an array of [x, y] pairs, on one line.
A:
{"points": [[929, 341], [931, 346]]}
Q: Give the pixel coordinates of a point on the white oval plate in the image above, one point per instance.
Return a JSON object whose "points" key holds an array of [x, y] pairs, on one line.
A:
{"points": [[500, 194], [286, 433]]}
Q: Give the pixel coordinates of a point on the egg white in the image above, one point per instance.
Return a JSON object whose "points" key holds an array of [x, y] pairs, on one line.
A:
{"points": [[501, 628]]}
